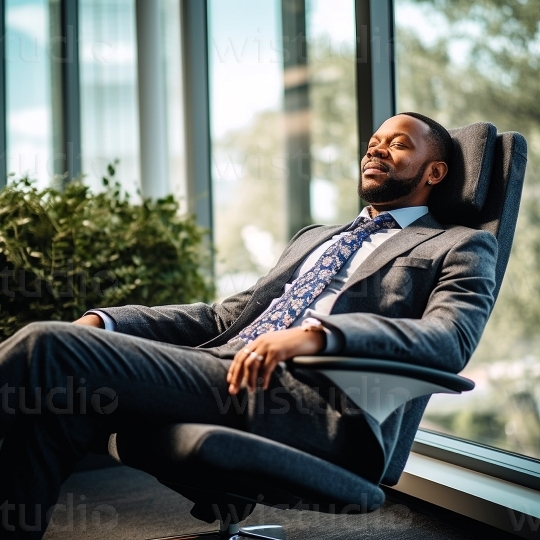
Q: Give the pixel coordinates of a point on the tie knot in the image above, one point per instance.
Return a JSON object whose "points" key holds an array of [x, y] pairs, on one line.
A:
{"points": [[386, 221], [381, 221]]}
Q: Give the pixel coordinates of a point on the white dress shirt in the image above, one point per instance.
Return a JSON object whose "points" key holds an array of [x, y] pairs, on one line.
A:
{"points": [[322, 305]]}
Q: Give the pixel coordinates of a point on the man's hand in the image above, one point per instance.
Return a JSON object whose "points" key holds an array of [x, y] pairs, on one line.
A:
{"points": [[90, 320], [260, 357]]}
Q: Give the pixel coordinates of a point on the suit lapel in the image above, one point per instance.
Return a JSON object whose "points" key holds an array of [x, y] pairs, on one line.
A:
{"points": [[419, 231]]}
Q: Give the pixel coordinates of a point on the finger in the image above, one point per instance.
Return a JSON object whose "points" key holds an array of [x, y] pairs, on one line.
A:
{"points": [[232, 374], [266, 372], [231, 368], [251, 369], [239, 358], [237, 373], [236, 379], [233, 365]]}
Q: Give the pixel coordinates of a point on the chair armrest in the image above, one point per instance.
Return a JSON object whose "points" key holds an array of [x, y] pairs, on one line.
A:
{"points": [[381, 386]]}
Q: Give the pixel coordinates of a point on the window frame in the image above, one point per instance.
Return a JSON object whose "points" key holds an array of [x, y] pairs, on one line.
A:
{"points": [[495, 462]]}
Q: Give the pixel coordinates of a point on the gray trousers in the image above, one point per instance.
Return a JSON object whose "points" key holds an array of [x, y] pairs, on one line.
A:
{"points": [[65, 386]]}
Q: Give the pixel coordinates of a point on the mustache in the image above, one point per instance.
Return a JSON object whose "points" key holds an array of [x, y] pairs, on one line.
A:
{"points": [[384, 166]]}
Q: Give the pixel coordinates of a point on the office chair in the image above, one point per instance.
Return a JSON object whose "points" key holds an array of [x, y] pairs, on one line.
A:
{"points": [[226, 472]]}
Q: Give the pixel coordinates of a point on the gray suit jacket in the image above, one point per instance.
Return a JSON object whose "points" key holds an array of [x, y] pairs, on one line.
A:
{"points": [[423, 297]]}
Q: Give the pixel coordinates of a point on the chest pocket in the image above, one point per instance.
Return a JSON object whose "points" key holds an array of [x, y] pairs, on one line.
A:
{"points": [[405, 286], [412, 262]]}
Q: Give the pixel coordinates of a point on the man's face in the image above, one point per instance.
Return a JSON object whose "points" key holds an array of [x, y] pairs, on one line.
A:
{"points": [[395, 162]]}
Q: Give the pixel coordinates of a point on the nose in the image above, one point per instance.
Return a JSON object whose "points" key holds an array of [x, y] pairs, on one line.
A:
{"points": [[378, 150]]}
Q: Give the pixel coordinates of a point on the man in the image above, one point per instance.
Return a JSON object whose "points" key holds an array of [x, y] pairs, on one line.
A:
{"points": [[394, 284]]}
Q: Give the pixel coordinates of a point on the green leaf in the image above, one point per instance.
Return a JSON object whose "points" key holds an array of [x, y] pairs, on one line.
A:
{"points": [[79, 250]]}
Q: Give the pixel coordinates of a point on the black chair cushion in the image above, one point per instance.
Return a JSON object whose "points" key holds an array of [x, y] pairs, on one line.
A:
{"points": [[464, 191], [226, 461]]}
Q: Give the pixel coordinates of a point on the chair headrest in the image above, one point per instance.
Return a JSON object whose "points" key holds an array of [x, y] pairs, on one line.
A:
{"points": [[462, 194]]}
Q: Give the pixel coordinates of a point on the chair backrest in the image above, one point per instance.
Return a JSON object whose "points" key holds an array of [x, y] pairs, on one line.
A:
{"points": [[482, 191]]}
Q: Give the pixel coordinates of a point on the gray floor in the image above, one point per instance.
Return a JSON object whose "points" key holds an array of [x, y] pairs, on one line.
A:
{"points": [[118, 503]]}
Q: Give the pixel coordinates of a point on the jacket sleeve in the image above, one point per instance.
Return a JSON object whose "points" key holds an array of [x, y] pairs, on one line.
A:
{"points": [[185, 324], [452, 323]]}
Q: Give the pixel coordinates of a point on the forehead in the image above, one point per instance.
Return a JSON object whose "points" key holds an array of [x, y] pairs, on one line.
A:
{"points": [[415, 129]]}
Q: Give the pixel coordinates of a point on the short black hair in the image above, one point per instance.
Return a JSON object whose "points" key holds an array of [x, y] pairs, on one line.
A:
{"points": [[438, 136]]}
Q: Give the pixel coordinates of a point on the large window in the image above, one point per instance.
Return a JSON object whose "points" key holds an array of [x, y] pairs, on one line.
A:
{"points": [[284, 139], [109, 113], [462, 62], [110, 93], [31, 75], [246, 80], [42, 63], [284, 132]]}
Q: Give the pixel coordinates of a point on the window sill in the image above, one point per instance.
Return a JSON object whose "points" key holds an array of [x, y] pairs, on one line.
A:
{"points": [[485, 497]]}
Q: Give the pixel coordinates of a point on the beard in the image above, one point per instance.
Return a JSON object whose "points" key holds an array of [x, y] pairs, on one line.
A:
{"points": [[393, 189]]}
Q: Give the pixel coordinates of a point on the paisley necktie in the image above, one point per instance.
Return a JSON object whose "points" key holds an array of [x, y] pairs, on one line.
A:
{"points": [[307, 287]]}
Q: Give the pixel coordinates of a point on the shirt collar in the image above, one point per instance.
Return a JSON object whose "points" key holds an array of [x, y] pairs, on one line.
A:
{"points": [[403, 216]]}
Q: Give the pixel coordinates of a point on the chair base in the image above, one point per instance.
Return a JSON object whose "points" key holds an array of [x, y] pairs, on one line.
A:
{"points": [[263, 532]]}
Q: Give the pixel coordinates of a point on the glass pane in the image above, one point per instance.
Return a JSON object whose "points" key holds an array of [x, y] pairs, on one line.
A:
{"points": [[28, 89], [171, 43], [334, 133], [283, 122], [464, 62], [246, 95], [109, 110]]}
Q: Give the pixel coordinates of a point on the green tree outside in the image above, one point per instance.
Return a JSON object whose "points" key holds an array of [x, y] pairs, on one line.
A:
{"points": [[483, 66]]}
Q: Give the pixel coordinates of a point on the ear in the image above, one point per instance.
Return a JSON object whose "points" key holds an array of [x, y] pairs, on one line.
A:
{"points": [[436, 172]]}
